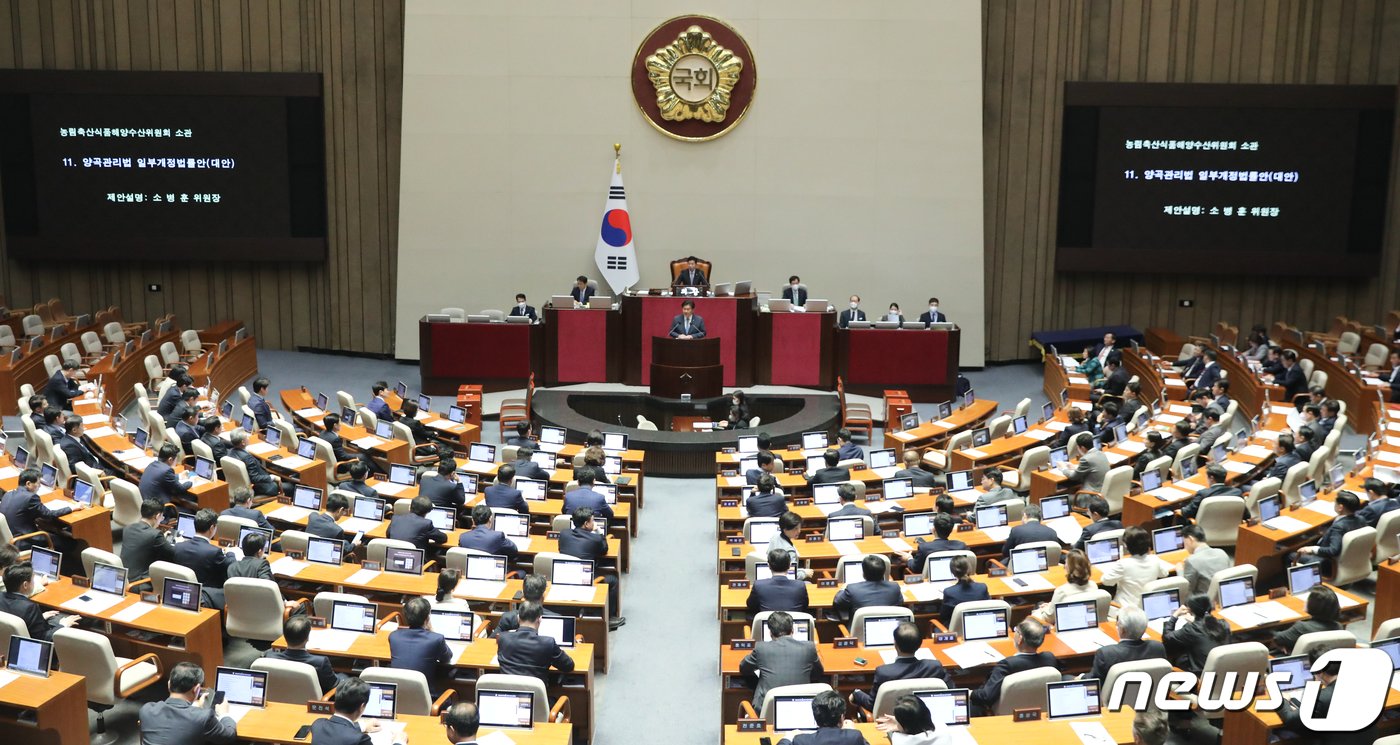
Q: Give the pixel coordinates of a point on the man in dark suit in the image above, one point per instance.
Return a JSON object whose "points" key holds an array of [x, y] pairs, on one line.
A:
{"points": [[778, 592], [766, 464], [1285, 457], [160, 482], [415, 646], [37, 405], [1394, 376], [829, 712], [356, 483], [854, 313], [188, 400], [503, 494], [444, 490], [521, 438], [143, 543], [1331, 409], [171, 398], [209, 562], [846, 446], [521, 309], [1193, 366], [1292, 378], [766, 500], [1105, 347], [1210, 373], [906, 666], [72, 445], [262, 411], [1216, 432], [330, 432], [527, 468], [913, 471], [23, 510], [581, 292], [52, 422], [584, 496], [295, 632], [1132, 624], [847, 493], [875, 590], [691, 275], [1115, 377], [342, 727], [532, 590], [325, 524], [1378, 501], [484, 537], [178, 721], [210, 427], [830, 474], [1098, 513], [784, 660], [63, 387], [240, 504], [1031, 530], [415, 527], [187, 428], [687, 325], [1220, 389], [19, 585], [943, 525], [264, 484], [1329, 546], [933, 314], [581, 542], [525, 652], [1292, 716], [1029, 636], [377, 405], [794, 292], [1216, 476]]}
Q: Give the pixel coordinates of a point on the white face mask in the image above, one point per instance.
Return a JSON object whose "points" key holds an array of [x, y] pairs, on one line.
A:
{"points": [[520, 306], [933, 308], [855, 305]]}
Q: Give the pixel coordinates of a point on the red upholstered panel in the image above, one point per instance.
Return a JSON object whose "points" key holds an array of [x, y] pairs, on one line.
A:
{"points": [[481, 351], [893, 357], [797, 348], [583, 346], [720, 314]]}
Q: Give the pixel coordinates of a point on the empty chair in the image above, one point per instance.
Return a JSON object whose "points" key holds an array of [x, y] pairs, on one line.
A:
{"points": [[289, 682], [294, 540], [495, 315], [1025, 689], [7, 338], [1376, 355], [1387, 542], [1348, 343], [1220, 518], [1386, 629], [646, 424], [413, 696], [113, 333], [1239, 658], [11, 625], [190, 344], [109, 678], [229, 526], [523, 683], [92, 345], [939, 459], [324, 602], [1019, 480], [454, 314], [169, 355], [998, 426], [1116, 485], [91, 556], [32, 325], [52, 364]]}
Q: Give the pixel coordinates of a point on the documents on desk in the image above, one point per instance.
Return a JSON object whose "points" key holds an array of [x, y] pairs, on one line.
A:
{"points": [[847, 548], [890, 655], [358, 524], [899, 545], [1056, 426], [1030, 583], [290, 513], [363, 577], [1255, 451], [141, 462], [974, 453], [1168, 493], [99, 432], [1168, 419], [1086, 640], [569, 593], [260, 448], [1066, 528], [332, 640], [1091, 733], [390, 489], [495, 738], [292, 461], [522, 542], [902, 436], [1267, 434], [1388, 456], [1286, 524], [9, 472], [1321, 507], [736, 481], [390, 732], [1041, 435], [1235, 466], [973, 654], [91, 602], [288, 566], [7, 677], [1133, 446], [997, 534], [61, 503], [926, 592], [133, 612], [1250, 615], [368, 442], [876, 508], [309, 413], [479, 588], [128, 454]]}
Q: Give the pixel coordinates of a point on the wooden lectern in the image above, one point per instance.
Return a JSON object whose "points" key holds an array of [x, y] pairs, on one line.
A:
{"points": [[680, 366]]}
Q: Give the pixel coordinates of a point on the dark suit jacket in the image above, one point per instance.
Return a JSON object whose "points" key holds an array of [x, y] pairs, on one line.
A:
{"points": [[28, 611], [250, 514], [1292, 720], [828, 736], [217, 445], [142, 545], [780, 662], [1218, 490], [160, 482], [801, 298], [778, 593], [922, 551], [262, 413], [1028, 532], [1293, 382], [583, 544], [1093, 529], [168, 401], [187, 435], [322, 525], [338, 731], [337, 444], [928, 317], [1330, 544], [482, 538], [209, 562], [380, 408], [958, 593], [582, 296], [1125, 651], [990, 692], [61, 390], [175, 721], [851, 510], [417, 530], [508, 497], [1288, 637], [1281, 465], [771, 504], [908, 668], [324, 673], [528, 469], [830, 476], [256, 473], [1188, 644], [917, 476], [529, 312], [23, 509], [251, 568], [1115, 384], [1372, 512], [585, 497], [525, 652], [692, 278], [421, 650], [1068, 433], [849, 451], [77, 453], [857, 595], [1209, 376], [444, 493], [697, 327], [361, 488], [844, 319]]}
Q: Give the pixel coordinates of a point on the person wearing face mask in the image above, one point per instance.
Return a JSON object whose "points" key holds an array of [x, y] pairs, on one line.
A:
{"points": [[795, 292], [738, 416], [854, 314], [933, 315], [521, 309], [894, 314]]}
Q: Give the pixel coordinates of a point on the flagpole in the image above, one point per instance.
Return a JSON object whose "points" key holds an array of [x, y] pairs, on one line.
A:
{"points": [[617, 153]]}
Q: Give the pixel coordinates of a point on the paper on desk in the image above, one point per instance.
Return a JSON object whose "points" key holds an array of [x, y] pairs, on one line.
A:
{"points": [[1244, 616], [292, 461], [140, 463], [94, 418], [943, 425], [362, 577], [973, 453], [1284, 409], [332, 640], [1235, 466], [973, 654], [495, 738], [1392, 426], [1085, 641], [1179, 409], [1321, 507], [997, 534], [389, 488], [1266, 434], [289, 513], [96, 602], [458, 648], [1274, 610], [367, 442], [1378, 382], [522, 542], [389, 732], [899, 545], [1158, 624], [8, 472], [1029, 583], [902, 436], [964, 495], [1388, 456], [1115, 458], [1169, 493], [1056, 426], [827, 509], [1133, 446], [99, 432], [1174, 383], [569, 594], [7, 677], [736, 481], [128, 453], [57, 504], [847, 548], [1092, 733], [927, 592], [1066, 528], [133, 612], [1255, 451], [960, 735], [260, 448], [1392, 441], [309, 412], [1084, 405], [288, 566], [237, 712], [358, 524], [880, 508], [1286, 524], [1044, 433], [479, 588], [1078, 380], [889, 655], [1168, 419]]}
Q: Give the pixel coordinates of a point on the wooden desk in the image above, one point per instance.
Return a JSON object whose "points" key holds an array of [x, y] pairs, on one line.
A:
{"points": [[1059, 380], [280, 722], [935, 433], [991, 730], [229, 370], [582, 345], [1359, 396], [120, 376], [1388, 590], [54, 709], [30, 368], [1163, 341], [1251, 726], [796, 349], [922, 362], [301, 406], [180, 636], [498, 356]]}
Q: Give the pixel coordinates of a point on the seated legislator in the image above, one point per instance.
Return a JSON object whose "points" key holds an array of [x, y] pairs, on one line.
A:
{"points": [[143, 543], [943, 525], [767, 463], [296, 631], [187, 428], [443, 489], [789, 528], [1394, 376], [933, 314], [378, 405], [525, 466], [1137, 568], [1323, 611], [1030, 634], [692, 275], [325, 524], [503, 493], [738, 414], [173, 395], [962, 590], [1292, 715], [795, 293], [264, 484], [254, 563], [1191, 632], [1132, 624], [582, 542], [484, 537], [874, 590], [767, 500], [581, 293], [521, 438], [1329, 546], [532, 590], [783, 660], [911, 723], [846, 446], [188, 400], [356, 484], [1378, 501], [992, 489], [830, 474], [1031, 530], [1216, 476], [209, 562], [906, 666], [1078, 578], [63, 387], [1089, 472], [584, 496], [854, 313], [240, 504], [19, 585], [415, 527], [913, 471], [262, 411], [415, 646], [23, 510], [525, 652], [343, 726], [829, 712], [1202, 560], [778, 592], [179, 721], [521, 308], [847, 494], [209, 428], [894, 315], [687, 325], [461, 723]]}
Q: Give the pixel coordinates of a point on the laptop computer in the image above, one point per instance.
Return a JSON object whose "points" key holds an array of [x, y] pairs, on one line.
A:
{"points": [[1390, 646], [1303, 577], [909, 421], [325, 550], [180, 594], [83, 493], [45, 562], [533, 490], [456, 415], [762, 531], [879, 630], [1296, 667], [945, 409], [1166, 540], [513, 524], [469, 482], [801, 630], [615, 441], [815, 463], [1269, 508], [1054, 507], [1160, 604], [505, 709], [612, 465], [184, 525], [762, 571], [845, 528], [241, 687], [1307, 492], [403, 560], [897, 488], [1047, 411], [826, 493], [609, 492], [204, 469], [367, 508], [1072, 698], [29, 656], [246, 530], [981, 436], [576, 572], [272, 436], [488, 568], [109, 579], [443, 518], [779, 305], [1029, 560], [793, 714], [984, 624], [1076, 615], [347, 615], [307, 498], [949, 707], [1019, 426], [383, 700], [747, 444], [552, 438], [1239, 591], [883, 458], [544, 459], [815, 441], [481, 452], [1103, 550], [918, 524], [991, 516], [959, 480], [969, 398], [1151, 480], [939, 568], [559, 628], [401, 474], [456, 625]]}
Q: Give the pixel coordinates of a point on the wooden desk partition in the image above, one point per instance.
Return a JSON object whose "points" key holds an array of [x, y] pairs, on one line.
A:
{"points": [[796, 349], [1360, 397], [729, 319], [925, 363], [44, 711], [30, 368], [582, 346], [119, 376], [499, 356], [278, 723]]}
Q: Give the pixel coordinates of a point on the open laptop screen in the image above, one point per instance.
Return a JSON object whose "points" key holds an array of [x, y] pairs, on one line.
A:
{"points": [[748, 444], [1103, 550], [382, 701], [1303, 577], [984, 624], [178, 593], [1161, 603], [482, 452], [1029, 560], [959, 480], [1236, 592], [453, 624], [32, 656], [948, 707], [1072, 698], [1053, 507], [845, 528], [241, 687], [403, 560], [307, 497], [879, 630], [511, 709], [350, 616], [882, 458], [577, 572], [793, 713], [814, 440], [401, 474], [109, 579], [614, 441], [1076, 615], [918, 524], [46, 563], [486, 568], [324, 550], [558, 628], [897, 488], [1297, 668], [1166, 540]]}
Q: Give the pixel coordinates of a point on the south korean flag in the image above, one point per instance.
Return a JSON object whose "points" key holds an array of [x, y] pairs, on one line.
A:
{"points": [[615, 255]]}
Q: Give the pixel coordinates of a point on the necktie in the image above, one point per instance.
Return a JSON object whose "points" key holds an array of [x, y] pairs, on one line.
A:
{"points": [[687, 325]]}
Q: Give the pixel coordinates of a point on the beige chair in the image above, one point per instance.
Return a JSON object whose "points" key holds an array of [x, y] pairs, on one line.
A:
{"points": [[875, 611], [751, 561], [1025, 690], [91, 556], [457, 557], [346, 401], [1133, 692], [229, 526], [7, 339], [998, 426], [939, 459], [1324, 640], [169, 355], [1169, 583], [289, 682], [1240, 658], [254, 610], [1292, 479], [32, 325], [1186, 456], [1387, 543], [499, 316], [127, 501], [526, 683], [1262, 489], [1376, 356], [294, 540], [929, 560], [109, 678], [955, 622], [114, 334], [69, 353], [1162, 465], [1220, 518], [769, 709], [288, 432], [191, 345], [761, 618], [160, 570], [646, 424], [1353, 564], [412, 695], [1227, 574], [1015, 508], [11, 625], [1023, 408], [154, 372], [1386, 629], [892, 690], [7, 536], [235, 473], [324, 602], [368, 420], [1116, 485], [1348, 343], [455, 314], [1019, 480], [544, 562], [52, 364]]}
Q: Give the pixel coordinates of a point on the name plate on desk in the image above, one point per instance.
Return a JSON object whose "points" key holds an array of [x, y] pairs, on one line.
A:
{"points": [[295, 555], [741, 644], [815, 538], [317, 622], [802, 502], [729, 473], [370, 566], [889, 534], [734, 539], [913, 579], [1025, 715], [552, 535], [323, 708], [995, 570], [753, 725], [739, 584], [845, 642], [81, 582], [728, 503], [1277, 593], [965, 527], [945, 638], [827, 582], [150, 597], [794, 448], [284, 500]]}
